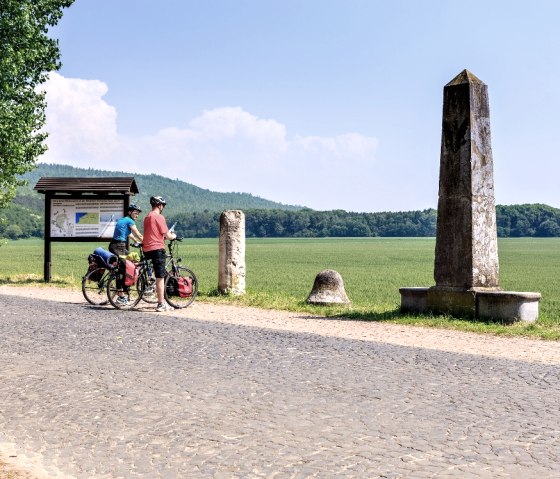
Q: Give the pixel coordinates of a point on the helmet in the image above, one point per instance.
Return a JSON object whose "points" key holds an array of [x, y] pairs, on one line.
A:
{"points": [[157, 200], [133, 207]]}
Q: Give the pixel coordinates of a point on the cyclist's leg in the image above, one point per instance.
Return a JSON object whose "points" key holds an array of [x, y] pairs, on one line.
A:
{"points": [[157, 257]]}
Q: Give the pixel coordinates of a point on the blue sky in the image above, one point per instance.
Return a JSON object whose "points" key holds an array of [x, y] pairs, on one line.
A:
{"points": [[327, 104]]}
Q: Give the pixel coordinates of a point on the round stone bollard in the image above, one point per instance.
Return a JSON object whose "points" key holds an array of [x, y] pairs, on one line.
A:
{"points": [[328, 289]]}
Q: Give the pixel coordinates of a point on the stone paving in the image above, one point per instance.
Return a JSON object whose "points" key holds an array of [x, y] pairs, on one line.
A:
{"points": [[98, 393]]}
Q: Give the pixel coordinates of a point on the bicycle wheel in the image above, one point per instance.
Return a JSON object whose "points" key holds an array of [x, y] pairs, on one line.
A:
{"points": [[147, 287], [181, 287], [131, 294], [94, 286]]}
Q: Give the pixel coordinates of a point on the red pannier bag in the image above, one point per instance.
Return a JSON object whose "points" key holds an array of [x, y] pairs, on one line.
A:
{"points": [[184, 286], [130, 272]]}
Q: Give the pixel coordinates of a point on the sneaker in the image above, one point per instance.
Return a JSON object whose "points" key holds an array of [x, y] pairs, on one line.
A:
{"points": [[164, 307], [122, 300]]}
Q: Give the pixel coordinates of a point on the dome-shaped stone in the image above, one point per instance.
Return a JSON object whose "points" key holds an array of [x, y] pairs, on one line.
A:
{"points": [[328, 289]]}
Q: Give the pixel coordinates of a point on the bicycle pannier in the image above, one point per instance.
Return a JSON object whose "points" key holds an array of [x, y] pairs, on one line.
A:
{"points": [[93, 261], [130, 272], [184, 286]]}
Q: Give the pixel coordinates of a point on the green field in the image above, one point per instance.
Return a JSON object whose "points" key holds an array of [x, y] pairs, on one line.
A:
{"points": [[280, 274]]}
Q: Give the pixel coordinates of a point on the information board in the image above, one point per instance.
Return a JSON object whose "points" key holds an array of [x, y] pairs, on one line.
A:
{"points": [[78, 218]]}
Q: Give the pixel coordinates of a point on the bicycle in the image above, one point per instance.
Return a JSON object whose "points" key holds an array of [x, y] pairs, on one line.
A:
{"points": [[95, 281], [181, 284], [143, 287], [146, 276]]}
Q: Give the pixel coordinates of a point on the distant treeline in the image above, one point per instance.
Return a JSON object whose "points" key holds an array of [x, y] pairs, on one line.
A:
{"points": [[22, 221], [308, 223], [512, 221]]}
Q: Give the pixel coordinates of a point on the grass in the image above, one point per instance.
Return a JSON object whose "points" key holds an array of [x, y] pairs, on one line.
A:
{"points": [[280, 274]]}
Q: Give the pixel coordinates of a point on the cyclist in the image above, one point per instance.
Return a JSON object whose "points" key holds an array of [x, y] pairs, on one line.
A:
{"points": [[125, 229], [155, 234]]}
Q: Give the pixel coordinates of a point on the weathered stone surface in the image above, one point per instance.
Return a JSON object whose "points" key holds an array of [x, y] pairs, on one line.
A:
{"points": [[231, 270], [414, 300], [328, 288], [455, 301], [508, 306], [466, 268], [466, 243]]}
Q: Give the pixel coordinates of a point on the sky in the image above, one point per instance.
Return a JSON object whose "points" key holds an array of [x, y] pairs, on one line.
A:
{"points": [[328, 104]]}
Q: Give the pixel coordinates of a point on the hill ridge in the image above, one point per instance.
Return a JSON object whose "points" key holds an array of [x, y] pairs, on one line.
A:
{"points": [[180, 195]]}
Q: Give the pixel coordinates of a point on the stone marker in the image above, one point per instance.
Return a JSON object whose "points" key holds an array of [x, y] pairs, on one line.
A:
{"points": [[231, 269], [466, 268], [466, 240], [328, 289]]}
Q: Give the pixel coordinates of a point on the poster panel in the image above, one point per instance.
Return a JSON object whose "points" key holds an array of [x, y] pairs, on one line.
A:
{"points": [[81, 218]]}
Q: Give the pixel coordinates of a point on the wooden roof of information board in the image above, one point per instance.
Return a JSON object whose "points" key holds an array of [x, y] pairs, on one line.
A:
{"points": [[99, 185]]}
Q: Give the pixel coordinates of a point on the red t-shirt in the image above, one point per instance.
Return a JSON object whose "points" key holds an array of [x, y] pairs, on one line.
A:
{"points": [[155, 228]]}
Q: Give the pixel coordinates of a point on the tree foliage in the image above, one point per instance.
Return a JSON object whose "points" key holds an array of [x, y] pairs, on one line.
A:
{"points": [[197, 212], [27, 55]]}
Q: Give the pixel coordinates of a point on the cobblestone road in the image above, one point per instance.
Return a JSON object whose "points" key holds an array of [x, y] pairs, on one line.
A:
{"points": [[99, 393]]}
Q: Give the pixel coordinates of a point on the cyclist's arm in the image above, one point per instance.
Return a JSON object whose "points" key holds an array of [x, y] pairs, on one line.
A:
{"points": [[169, 235], [136, 235]]}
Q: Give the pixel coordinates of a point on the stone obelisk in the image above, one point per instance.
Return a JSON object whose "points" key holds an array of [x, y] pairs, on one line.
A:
{"points": [[466, 268], [466, 239]]}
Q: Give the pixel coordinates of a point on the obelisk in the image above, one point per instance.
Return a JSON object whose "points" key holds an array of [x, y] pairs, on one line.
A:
{"points": [[466, 268], [466, 239]]}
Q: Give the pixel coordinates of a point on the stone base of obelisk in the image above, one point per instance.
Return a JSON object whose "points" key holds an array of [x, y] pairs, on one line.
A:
{"points": [[475, 303]]}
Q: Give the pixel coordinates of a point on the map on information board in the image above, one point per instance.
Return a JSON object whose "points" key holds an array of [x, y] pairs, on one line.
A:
{"points": [[94, 218]]}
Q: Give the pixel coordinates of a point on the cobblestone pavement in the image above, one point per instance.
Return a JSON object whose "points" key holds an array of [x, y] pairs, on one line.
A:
{"points": [[98, 393]]}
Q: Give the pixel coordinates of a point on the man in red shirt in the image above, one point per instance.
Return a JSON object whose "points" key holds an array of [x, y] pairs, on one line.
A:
{"points": [[155, 234]]}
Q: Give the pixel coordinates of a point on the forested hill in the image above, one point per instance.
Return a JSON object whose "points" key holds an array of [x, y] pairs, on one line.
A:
{"points": [[197, 213], [181, 196]]}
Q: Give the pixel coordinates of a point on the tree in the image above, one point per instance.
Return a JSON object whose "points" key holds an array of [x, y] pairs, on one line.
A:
{"points": [[27, 55]]}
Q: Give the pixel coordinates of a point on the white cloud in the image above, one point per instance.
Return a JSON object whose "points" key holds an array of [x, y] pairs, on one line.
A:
{"points": [[223, 149], [82, 126]]}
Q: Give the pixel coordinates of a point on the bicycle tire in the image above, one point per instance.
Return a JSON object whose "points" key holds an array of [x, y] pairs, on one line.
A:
{"points": [[130, 291], [94, 286], [171, 296], [147, 287]]}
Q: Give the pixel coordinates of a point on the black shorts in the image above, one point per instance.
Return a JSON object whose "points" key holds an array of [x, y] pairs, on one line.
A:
{"points": [[118, 248], [158, 261]]}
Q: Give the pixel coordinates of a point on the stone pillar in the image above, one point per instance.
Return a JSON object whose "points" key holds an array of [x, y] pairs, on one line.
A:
{"points": [[231, 268], [466, 242], [466, 268]]}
